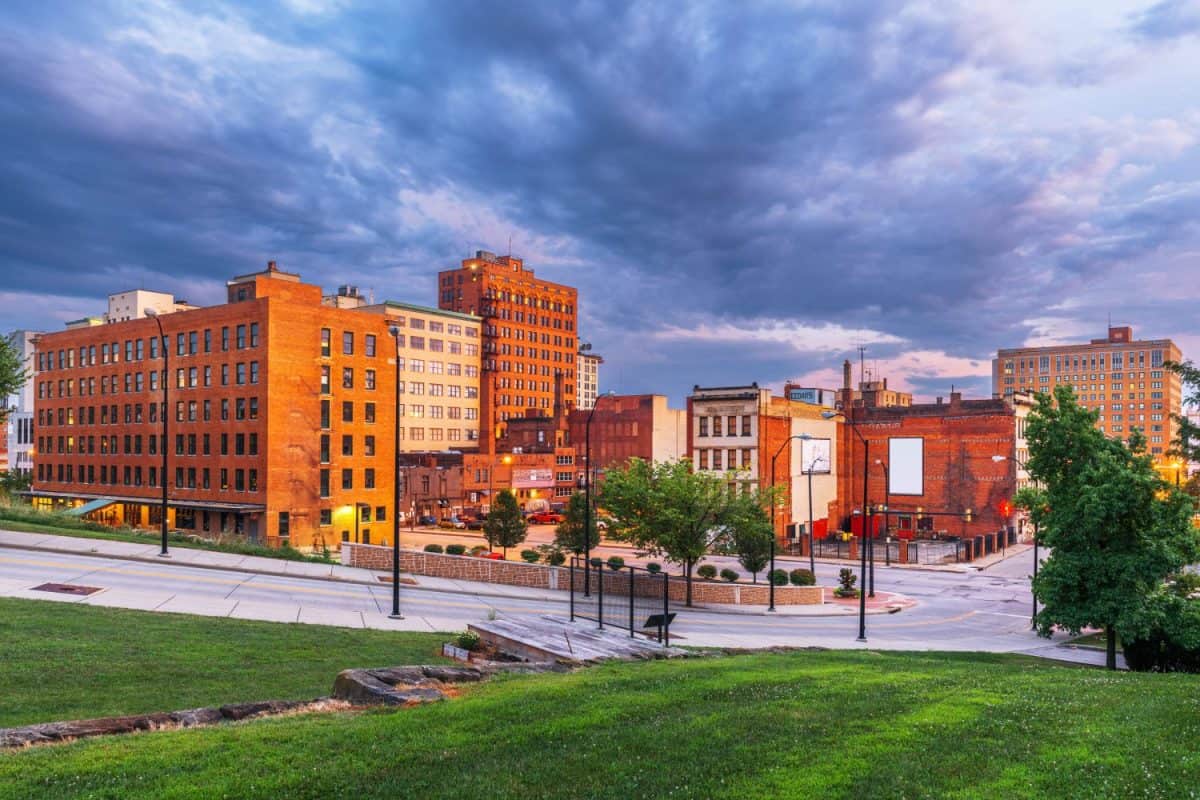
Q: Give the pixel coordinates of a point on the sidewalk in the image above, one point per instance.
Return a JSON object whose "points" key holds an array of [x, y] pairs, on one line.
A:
{"points": [[208, 559]]}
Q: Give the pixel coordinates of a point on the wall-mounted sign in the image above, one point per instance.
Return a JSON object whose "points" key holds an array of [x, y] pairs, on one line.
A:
{"points": [[815, 456], [524, 478]]}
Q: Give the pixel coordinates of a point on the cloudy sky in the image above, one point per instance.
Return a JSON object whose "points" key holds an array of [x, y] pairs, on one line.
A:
{"points": [[740, 191]]}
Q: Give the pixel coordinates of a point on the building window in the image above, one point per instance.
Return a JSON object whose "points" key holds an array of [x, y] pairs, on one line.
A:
{"points": [[369, 379], [347, 445], [348, 343], [368, 479], [703, 427], [347, 479], [285, 527], [347, 411], [369, 344], [323, 481], [716, 427], [347, 377], [368, 412], [369, 445], [746, 425], [325, 338]]}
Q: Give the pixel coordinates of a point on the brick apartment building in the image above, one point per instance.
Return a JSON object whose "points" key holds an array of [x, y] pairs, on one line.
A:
{"points": [[737, 431], [529, 337], [280, 414], [629, 426], [1121, 378], [931, 464]]}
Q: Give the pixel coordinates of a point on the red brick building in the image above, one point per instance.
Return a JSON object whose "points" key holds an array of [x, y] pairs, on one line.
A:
{"points": [[630, 426], [931, 463], [529, 338], [281, 413]]}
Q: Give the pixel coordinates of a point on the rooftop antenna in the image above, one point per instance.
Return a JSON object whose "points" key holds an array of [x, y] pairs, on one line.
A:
{"points": [[510, 245], [862, 363]]}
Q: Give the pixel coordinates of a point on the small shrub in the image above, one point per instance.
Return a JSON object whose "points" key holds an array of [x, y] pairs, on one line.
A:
{"points": [[615, 563], [846, 581], [653, 567], [802, 577], [479, 550], [556, 558], [779, 577], [435, 548], [447, 524], [455, 549], [729, 575], [706, 571], [468, 640], [596, 562], [532, 556]]}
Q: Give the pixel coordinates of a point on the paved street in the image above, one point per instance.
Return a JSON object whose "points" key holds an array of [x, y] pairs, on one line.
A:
{"points": [[986, 610]]}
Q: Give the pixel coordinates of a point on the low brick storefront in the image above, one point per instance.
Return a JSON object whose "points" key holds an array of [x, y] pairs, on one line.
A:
{"points": [[543, 576]]}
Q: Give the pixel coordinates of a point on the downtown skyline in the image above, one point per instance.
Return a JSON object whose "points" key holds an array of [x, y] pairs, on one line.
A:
{"points": [[738, 195]]}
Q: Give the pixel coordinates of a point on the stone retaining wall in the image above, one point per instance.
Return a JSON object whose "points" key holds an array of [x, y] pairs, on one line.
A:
{"points": [[543, 576]]}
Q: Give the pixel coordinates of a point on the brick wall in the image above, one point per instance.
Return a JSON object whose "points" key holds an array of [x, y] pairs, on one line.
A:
{"points": [[542, 576]]}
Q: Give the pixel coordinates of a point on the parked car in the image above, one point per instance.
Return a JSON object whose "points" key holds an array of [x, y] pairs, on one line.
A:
{"points": [[545, 518], [475, 523], [458, 523], [427, 519]]}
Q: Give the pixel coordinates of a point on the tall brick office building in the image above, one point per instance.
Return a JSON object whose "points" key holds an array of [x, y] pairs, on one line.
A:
{"points": [[1121, 378], [529, 337], [281, 414]]}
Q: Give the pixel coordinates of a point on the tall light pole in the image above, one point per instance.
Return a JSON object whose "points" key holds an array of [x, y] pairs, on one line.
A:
{"points": [[866, 517], [887, 520], [774, 505], [166, 430], [395, 332], [587, 497], [812, 560]]}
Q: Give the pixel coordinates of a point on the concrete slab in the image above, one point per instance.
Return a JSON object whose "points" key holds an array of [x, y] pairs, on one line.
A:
{"points": [[125, 598], [269, 612], [202, 606], [340, 618], [307, 569]]}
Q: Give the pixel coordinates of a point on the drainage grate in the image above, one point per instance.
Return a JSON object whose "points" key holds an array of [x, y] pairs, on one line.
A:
{"points": [[66, 588]]}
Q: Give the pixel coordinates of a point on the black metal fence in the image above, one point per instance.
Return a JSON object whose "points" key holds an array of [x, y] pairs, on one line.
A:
{"points": [[629, 598]]}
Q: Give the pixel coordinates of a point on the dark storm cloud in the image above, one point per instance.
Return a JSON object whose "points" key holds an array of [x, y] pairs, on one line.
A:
{"points": [[684, 165]]}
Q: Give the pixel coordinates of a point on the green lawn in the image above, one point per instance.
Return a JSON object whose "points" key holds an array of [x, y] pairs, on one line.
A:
{"points": [[821, 725], [26, 519], [67, 661]]}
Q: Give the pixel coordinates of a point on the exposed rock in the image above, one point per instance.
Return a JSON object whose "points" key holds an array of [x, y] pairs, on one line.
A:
{"points": [[244, 710], [196, 716]]}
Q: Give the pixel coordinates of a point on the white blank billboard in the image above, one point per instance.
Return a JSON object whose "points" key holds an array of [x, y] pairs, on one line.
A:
{"points": [[906, 466]]}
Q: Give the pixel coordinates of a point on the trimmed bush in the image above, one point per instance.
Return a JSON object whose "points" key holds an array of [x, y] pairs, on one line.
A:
{"points": [[615, 563], [802, 577], [706, 571], [455, 549], [596, 562], [847, 579], [478, 550], [556, 558], [729, 575], [532, 556], [653, 567], [467, 640], [779, 577], [435, 548]]}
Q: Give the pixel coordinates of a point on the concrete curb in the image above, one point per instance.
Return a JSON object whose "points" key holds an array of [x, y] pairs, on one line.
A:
{"points": [[435, 589]]}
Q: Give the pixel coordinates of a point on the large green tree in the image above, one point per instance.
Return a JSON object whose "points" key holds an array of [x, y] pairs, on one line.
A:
{"points": [[1187, 440], [750, 537], [571, 533], [13, 373], [666, 509], [505, 527], [1115, 529]]}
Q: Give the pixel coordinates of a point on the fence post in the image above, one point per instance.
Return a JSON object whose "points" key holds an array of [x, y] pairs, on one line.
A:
{"points": [[632, 573], [571, 571], [600, 597]]}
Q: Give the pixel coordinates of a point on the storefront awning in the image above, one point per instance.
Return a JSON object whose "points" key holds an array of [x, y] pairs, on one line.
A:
{"points": [[92, 505]]}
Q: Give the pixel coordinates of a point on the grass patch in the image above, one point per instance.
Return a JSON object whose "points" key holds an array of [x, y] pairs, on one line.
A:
{"points": [[29, 520], [68, 661], [826, 725]]}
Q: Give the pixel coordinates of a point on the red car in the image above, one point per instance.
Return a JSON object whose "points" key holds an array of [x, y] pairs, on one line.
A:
{"points": [[545, 518]]}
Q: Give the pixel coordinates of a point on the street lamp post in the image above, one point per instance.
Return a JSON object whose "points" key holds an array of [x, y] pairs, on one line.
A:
{"points": [[162, 340], [395, 332], [774, 505], [812, 559], [862, 594], [587, 497], [887, 519]]}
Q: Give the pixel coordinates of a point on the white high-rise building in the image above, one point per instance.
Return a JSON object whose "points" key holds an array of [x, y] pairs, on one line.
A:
{"points": [[19, 425], [587, 378]]}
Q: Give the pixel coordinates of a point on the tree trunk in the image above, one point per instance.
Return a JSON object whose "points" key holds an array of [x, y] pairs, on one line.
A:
{"points": [[755, 577], [1110, 658], [687, 578]]}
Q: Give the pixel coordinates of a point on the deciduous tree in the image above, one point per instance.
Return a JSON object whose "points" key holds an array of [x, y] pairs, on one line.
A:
{"points": [[13, 373], [1115, 529], [571, 533], [505, 527]]}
